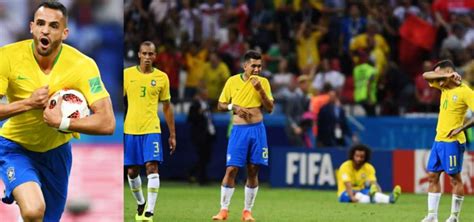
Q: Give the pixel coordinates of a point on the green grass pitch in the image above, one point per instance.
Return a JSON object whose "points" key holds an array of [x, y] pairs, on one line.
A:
{"points": [[190, 202]]}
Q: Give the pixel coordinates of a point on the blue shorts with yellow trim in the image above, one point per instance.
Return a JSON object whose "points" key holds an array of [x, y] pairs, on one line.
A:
{"points": [[247, 144], [447, 157], [50, 170], [139, 149]]}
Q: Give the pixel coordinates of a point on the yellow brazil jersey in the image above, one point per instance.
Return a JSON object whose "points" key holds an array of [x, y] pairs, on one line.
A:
{"points": [[307, 50], [242, 93], [20, 75], [143, 91], [214, 78], [453, 106], [358, 178]]}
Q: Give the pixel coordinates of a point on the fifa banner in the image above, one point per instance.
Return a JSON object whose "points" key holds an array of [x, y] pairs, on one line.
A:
{"points": [[409, 170], [317, 168]]}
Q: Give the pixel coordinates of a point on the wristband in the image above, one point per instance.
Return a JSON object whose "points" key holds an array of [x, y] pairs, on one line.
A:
{"points": [[65, 122], [230, 106]]}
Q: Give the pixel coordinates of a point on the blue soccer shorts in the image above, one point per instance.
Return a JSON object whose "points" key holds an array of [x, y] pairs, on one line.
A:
{"points": [[247, 144], [50, 170], [140, 149], [447, 157], [345, 198]]}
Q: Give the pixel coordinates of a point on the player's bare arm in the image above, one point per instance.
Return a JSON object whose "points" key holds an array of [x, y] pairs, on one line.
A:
{"points": [[37, 100], [101, 122], [467, 124], [439, 75], [266, 102], [241, 112], [169, 117], [350, 192]]}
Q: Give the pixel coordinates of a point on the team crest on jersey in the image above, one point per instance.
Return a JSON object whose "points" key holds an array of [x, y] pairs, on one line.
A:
{"points": [[363, 176], [11, 174], [153, 82], [455, 98]]}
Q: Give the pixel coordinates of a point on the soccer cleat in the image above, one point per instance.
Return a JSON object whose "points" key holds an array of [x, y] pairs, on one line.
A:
{"points": [[452, 219], [397, 191], [222, 215], [148, 216], [140, 210], [429, 219], [247, 216]]}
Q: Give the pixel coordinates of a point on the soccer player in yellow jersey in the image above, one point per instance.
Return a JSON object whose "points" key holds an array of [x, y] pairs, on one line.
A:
{"points": [[449, 145], [144, 87], [35, 158], [245, 94], [356, 180]]}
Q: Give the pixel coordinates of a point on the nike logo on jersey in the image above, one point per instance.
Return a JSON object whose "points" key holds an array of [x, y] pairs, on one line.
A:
{"points": [[20, 77]]}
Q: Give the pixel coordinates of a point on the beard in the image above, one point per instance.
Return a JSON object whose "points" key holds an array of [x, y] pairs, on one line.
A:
{"points": [[46, 52]]}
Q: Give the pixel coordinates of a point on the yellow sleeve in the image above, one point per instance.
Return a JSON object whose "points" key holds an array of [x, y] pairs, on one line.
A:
{"points": [[91, 84], [267, 88], [345, 173], [165, 93], [469, 98], [226, 93], [4, 72], [371, 173]]}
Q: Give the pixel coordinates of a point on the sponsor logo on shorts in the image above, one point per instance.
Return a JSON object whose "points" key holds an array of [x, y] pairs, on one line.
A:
{"points": [[228, 157], [11, 174]]}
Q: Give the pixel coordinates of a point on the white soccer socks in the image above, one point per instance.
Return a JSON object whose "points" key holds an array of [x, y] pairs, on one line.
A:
{"points": [[153, 187], [362, 198], [226, 195], [250, 195], [456, 205], [433, 203], [381, 198], [136, 188]]}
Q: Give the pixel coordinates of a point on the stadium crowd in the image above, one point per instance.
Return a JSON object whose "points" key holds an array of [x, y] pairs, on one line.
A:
{"points": [[344, 44], [365, 56]]}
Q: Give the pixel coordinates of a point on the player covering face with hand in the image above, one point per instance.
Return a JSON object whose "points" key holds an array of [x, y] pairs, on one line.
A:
{"points": [[35, 158], [356, 180], [449, 145]]}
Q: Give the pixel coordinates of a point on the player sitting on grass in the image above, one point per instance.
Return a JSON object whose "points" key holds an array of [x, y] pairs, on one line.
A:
{"points": [[356, 181]]}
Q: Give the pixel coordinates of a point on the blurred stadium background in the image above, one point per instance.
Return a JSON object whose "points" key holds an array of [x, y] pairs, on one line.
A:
{"points": [[96, 29], [314, 51]]}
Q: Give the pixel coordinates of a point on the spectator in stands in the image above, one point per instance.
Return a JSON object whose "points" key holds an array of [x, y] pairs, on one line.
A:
{"points": [[426, 96], [317, 101], [327, 75], [307, 39], [215, 75], [282, 79], [333, 129], [365, 90], [194, 60], [371, 36], [202, 134], [170, 61], [211, 12], [296, 104], [189, 17], [351, 25], [232, 51], [263, 26], [405, 7]]}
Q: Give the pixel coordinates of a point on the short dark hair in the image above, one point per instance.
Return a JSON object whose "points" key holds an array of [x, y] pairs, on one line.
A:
{"points": [[147, 43], [360, 147], [444, 64], [54, 4], [252, 54]]}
